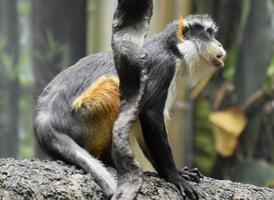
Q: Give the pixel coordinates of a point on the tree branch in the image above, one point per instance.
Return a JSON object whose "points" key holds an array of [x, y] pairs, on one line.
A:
{"points": [[33, 179]]}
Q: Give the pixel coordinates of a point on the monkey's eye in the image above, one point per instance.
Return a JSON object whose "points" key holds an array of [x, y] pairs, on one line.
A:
{"points": [[210, 31], [186, 30]]}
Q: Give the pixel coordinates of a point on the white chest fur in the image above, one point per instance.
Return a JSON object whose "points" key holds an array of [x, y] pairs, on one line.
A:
{"points": [[172, 91], [189, 71]]}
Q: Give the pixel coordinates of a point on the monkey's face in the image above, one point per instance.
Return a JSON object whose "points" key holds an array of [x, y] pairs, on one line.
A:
{"points": [[199, 45]]}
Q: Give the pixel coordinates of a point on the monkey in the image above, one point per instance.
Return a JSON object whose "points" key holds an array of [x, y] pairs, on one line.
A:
{"points": [[75, 113]]}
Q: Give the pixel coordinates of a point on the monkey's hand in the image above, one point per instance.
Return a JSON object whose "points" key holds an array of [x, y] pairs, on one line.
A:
{"points": [[184, 187], [193, 175]]}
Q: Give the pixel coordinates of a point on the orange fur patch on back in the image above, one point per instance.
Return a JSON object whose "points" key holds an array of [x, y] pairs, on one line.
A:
{"points": [[100, 105], [101, 98]]}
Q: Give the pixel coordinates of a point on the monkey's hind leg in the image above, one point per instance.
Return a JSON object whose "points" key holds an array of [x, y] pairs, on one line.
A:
{"points": [[63, 147]]}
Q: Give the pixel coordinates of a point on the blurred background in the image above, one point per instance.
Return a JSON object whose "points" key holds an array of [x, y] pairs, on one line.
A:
{"points": [[225, 126]]}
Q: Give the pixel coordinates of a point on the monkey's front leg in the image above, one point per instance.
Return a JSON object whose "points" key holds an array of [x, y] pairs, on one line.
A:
{"points": [[155, 137]]}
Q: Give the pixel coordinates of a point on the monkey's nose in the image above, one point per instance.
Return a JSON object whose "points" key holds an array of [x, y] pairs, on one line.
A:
{"points": [[220, 56], [221, 52], [218, 61]]}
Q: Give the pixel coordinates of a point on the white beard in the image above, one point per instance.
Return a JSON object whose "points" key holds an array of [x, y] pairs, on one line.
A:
{"points": [[191, 69]]}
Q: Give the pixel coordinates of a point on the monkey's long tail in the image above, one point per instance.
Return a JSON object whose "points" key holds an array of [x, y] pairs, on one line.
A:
{"points": [[63, 147]]}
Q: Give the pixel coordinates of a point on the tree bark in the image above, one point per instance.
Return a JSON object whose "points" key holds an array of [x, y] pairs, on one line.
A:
{"points": [[34, 179]]}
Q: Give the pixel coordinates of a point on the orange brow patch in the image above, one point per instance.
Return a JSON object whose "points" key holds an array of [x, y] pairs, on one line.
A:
{"points": [[181, 27]]}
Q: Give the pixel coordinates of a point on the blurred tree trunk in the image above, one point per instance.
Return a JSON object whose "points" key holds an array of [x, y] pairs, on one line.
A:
{"points": [[58, 38], [254, 59], [9, 87], [256, 50], [99, 25], [252, 47]]}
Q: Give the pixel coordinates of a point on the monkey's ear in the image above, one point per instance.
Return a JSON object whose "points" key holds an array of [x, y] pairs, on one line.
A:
{"points": [[181, 27]]}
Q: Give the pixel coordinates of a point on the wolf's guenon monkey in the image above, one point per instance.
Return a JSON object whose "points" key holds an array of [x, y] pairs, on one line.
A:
{"points": [[75, 113]]}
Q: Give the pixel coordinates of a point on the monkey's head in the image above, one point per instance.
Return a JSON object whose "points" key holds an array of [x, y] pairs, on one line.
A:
{"points": [[197, 44]]}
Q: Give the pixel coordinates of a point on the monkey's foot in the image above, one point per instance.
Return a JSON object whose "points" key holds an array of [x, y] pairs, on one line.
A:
{"points": [[193, 175], [184, 187], [127, 190]]}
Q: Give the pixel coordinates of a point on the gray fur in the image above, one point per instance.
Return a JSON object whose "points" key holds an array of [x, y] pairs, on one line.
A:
{"points": [[63, 132], [204, 20]]}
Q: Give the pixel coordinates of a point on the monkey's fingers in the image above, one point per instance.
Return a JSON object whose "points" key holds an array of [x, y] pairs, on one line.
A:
{"points": [[187, 190], [196, 171], [191, 174], [193, 170], [182, 191], [192, 178]]}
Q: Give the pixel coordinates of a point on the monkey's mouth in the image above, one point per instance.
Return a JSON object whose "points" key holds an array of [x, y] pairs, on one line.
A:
{"points": [[218, 61]]}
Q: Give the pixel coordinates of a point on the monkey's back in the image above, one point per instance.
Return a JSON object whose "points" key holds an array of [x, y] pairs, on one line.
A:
{"points": [[82, 102], [75, 79]]}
